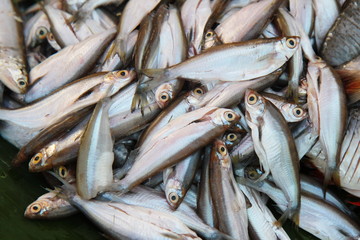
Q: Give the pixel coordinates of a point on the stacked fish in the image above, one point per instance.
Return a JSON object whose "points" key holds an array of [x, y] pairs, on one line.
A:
{"points": [[180, 119]]}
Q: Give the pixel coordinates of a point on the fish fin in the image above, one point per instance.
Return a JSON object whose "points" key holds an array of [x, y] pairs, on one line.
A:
{"points": [[280, 222], [139, 100], [292, 92], [327, 178], [158, 75], [290, 212], [68, 190], [120, 50]]}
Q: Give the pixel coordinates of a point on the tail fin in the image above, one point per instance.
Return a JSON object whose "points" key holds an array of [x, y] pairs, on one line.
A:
{"points": [[158, 75], [117, 47], [292, 92], [291, 212], [327, 178]]}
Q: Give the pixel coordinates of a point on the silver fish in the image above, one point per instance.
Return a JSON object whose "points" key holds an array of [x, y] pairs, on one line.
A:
{"points": [[275, 147], [13, 72], [96, 156], [256, 57]]}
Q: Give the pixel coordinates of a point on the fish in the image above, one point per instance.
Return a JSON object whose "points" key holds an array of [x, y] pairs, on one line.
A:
{"points": [[155, 199], [69, 100], [131, 17], [184, 140], [165, 46], [178, 179], [278, 155], [117, 220], [289, 28], [50, 206], [326, 13], [62, 150], [96, 156], [228, 200], [223, 61], [260, 217], [194, 16], [328, 112], [45, 73], [314, 213], [13, 73], [205, 206], [248, 22], [340, 44]]}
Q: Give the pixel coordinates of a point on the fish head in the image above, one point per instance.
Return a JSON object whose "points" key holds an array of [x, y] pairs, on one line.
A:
{"points": [[66, 172], [220, 154], [52, 41], [38, 209], [39, 36], [195, 95], [175, 192], [231, 138], [13, 74], [255, 105], [40, 161], [294, 112], [164, 95], [288, 45], [225, 117], [116, 80], [253, 173]]}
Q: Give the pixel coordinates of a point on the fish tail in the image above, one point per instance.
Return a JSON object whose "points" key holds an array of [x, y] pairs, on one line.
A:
{"points": [[291, 212], [327, 178], [139, 100], [293, 91], [158, 75], [119, 188], [117, 48]]}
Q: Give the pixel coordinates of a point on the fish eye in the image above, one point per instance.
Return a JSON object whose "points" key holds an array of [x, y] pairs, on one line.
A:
{"points": [[231, 137], [209, 34], [199, 91], [122, 73], [291, 42], [298, 111], [252, 99], [164, 96], [37, 158], [253, 174], [41, 32], [35, 208], [229, 116], [222, 150], [63, 172], [22, 82], [50, 36], [173, 197]]}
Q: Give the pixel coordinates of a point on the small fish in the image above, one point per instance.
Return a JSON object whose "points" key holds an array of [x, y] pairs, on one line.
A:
{"points": [[186, 134], [228, 199], [13, 72], [276, 149], [50, 205], [95, 159], [231, 62]]}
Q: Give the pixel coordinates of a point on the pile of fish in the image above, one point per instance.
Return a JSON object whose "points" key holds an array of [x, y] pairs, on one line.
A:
{"points": [[187, 119]]}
